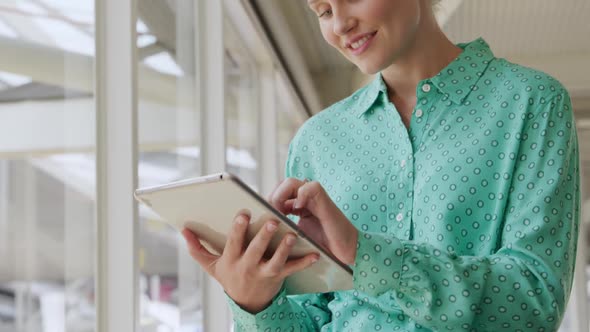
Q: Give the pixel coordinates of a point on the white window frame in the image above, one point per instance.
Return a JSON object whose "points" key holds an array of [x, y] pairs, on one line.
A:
{"points": [[116, 161], [268, 133], [211, 93]]}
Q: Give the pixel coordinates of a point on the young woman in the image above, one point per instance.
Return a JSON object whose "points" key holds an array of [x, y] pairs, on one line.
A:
{"points": [[449, 184]]}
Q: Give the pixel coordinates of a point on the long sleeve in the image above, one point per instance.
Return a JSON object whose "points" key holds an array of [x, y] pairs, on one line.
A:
{"points": [[286, 313], [524, 285], [306, 312]]}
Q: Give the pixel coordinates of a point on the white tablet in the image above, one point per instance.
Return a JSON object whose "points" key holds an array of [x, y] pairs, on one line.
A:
{"points": [[207, 205]]}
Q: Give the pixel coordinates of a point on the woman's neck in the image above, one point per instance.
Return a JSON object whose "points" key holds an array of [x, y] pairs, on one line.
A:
{"points": [[429, 53]]}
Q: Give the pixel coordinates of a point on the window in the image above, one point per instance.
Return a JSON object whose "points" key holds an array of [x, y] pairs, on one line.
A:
{"points": [[242, 109], [47, 166], [289, 120], [48, 158], [169, 139]]}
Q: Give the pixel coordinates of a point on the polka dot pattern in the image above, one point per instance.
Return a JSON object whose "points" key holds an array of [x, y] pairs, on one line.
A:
{"points": [[468, 220]]}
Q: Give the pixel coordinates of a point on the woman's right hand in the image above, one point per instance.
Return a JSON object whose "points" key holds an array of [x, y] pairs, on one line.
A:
{"points": [[249, 279]]}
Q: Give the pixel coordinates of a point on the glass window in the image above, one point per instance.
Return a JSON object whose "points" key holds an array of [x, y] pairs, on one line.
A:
{"points": [[47, 166], [289, 119], [168, 122], [242, 109]]}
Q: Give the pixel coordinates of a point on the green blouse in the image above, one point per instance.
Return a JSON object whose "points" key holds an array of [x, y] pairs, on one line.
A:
{"points": [[468, 220]]}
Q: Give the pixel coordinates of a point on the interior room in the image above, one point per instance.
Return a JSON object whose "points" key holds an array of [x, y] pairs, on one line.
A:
{"points": [[98, 98]]}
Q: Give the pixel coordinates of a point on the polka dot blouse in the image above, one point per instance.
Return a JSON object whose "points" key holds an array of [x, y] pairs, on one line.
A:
{"points": [[467, 221]]}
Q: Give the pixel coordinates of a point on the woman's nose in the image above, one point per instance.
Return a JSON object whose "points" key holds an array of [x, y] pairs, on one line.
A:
{"points": [[343, 23]]}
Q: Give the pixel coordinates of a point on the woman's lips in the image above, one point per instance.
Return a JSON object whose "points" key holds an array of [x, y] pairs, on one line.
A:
{"points": [[361, 44]]}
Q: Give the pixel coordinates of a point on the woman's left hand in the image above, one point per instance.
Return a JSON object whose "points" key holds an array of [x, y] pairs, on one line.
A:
{"points": [[319, 217]]}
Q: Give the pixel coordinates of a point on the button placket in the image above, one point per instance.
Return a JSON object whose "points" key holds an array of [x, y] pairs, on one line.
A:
{"points": [[425, 97], [422, 101]]}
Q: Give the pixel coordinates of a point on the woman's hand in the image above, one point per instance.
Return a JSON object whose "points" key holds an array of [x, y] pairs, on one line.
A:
{"points": [[319, 218], [249, 279]]}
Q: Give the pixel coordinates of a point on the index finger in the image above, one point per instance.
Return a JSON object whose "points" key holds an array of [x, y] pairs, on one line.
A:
{"points": [[285, 191], [269, 197]]}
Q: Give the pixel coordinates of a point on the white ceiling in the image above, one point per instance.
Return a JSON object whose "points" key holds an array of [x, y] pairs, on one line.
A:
{"points": [[524, 27]]}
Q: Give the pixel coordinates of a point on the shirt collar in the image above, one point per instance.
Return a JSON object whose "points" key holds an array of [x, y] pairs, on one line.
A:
{"points": [[367, 98], [471, 63], [461, 76]]}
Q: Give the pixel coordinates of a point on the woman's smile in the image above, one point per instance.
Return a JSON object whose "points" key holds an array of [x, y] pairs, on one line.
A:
{"points": [[361, 43], [385, 27]]}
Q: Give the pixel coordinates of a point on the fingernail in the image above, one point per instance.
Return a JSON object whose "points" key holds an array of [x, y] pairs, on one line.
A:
{"points": [[290, 240], [297, 204], [243, 214], [271, 227], [241, 220], [314, 259]]}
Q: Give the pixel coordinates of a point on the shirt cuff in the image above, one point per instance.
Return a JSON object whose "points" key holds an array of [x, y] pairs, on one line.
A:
{"points": [[248, 321], [378, 263]]}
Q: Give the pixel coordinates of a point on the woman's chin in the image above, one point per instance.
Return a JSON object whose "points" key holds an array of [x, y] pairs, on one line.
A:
{"points": [[368, 68]]}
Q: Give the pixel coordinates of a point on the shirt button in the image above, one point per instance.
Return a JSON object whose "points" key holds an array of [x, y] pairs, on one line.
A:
{"points": [[419, 113], [399, 217], [426, 88], [403, 163]]}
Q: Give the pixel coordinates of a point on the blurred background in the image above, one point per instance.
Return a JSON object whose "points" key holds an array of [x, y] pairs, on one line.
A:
{"points": [[274, 72]]}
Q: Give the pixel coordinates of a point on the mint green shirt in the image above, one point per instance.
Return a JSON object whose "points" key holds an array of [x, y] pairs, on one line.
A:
{"points": [[468, 220]]}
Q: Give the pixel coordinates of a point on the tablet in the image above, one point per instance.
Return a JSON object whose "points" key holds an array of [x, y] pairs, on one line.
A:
{"points": [[207, 205]]}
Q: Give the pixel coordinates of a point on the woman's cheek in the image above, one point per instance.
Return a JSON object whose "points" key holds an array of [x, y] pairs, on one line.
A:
{"points": [[335, 42], [329, 36]]}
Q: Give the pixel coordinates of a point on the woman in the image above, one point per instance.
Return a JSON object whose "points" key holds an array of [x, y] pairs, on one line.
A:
{"points": [[449, 184]]}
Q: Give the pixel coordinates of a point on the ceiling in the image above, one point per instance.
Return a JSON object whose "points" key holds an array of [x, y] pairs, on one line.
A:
{"points": [[524, 27]]}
